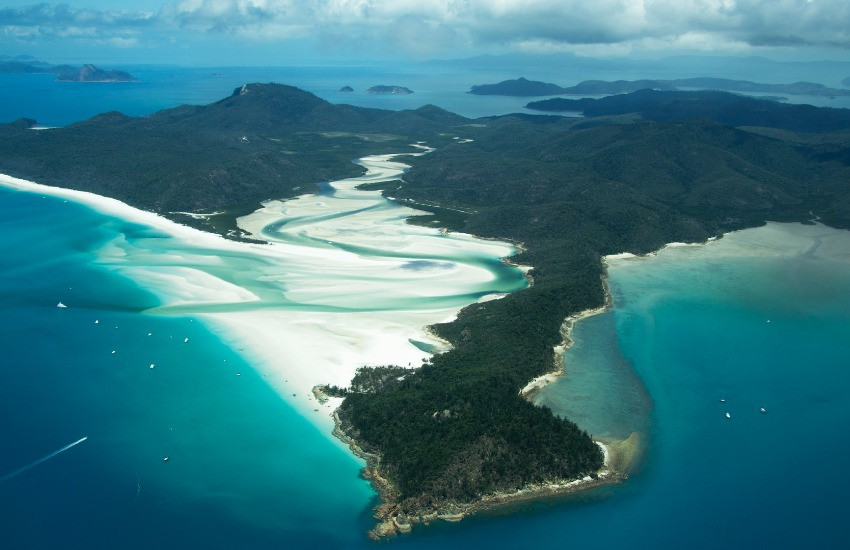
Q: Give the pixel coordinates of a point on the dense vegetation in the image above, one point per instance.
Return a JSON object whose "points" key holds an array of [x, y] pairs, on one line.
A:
{"points": [[638, 171], [570, 190], [732, 110], [263, 142]]}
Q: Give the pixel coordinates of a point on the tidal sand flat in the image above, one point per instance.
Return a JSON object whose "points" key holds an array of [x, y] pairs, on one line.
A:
{"points": [[246, 462], [343, 282]]}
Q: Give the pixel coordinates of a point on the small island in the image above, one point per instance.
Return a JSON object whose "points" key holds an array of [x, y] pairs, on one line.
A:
{"points": [[382, 89], [346, 89], [65, 73], [90, 73]]}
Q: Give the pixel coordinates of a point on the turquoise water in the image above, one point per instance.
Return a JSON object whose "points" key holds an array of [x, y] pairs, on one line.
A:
{"points": [[247, 470], [759, 319], [244, 468]]}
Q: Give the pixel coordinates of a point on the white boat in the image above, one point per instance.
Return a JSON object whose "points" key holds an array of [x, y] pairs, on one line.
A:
{"points": [[728, 415], [60, 304]]}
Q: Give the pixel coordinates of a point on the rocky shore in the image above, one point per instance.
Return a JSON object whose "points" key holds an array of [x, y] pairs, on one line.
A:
{"points": [[393, 520]]}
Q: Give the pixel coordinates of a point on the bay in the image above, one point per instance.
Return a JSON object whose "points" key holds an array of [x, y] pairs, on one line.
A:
{"points": [[759, 319]]}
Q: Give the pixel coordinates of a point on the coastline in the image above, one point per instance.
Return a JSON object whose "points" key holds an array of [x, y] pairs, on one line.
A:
{"points": [[391, 521], [619, 458], [264, 300], [558, 368], [239, 329]]}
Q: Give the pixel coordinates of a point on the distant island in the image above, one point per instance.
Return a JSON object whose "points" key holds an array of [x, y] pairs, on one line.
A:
{"points": [[65, 73], [346, 89], [458, 434], [389, 90], [522, 87]]}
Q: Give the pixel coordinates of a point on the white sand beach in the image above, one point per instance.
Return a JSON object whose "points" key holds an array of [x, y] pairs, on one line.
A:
{"points": [[343, 281]]}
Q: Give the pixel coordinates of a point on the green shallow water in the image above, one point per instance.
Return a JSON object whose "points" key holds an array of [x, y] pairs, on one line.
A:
{"points": [[758, 319]]}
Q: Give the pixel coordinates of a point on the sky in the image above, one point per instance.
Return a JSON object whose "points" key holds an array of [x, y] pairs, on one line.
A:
{"points": [[284, 32]]}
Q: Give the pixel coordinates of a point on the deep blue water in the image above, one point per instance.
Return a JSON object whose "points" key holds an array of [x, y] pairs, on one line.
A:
{"points": [[245, 470]]}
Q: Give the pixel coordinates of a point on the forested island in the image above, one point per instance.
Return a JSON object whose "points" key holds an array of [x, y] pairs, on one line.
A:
{"points": [[66, 73], [636, 172], [382, 89], [522, 87]]}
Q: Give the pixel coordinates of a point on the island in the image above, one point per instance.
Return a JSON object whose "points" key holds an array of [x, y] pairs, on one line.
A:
{"points": [[522, 87], [346, 89], [457, 433], [65, 73], [381, 89]]}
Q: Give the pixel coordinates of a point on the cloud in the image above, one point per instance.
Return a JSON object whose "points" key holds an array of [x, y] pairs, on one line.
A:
{"points": [[431, 26], [61, 22]]}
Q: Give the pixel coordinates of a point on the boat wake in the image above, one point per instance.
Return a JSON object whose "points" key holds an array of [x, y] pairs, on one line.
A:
{"points": [[33, 464]]}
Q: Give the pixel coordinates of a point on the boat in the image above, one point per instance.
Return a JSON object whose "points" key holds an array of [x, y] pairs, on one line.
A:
{"points": [[61, 305], [165, 458], [728, 415]]}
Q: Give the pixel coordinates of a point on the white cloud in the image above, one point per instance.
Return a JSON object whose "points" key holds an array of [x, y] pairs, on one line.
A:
{"points": [[431, 26]]}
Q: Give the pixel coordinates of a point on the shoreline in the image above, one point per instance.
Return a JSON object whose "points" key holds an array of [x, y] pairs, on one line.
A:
{"points": [[391, 521], [619, 458], [567, 327], [239, 331], [270, 309]]}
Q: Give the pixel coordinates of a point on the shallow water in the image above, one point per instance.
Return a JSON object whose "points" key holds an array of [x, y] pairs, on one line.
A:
{"points": [[135, 364], [758, 319], [239, 455]]}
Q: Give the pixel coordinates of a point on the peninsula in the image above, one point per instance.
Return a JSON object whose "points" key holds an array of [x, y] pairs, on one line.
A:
{"points": [[455, 434]]}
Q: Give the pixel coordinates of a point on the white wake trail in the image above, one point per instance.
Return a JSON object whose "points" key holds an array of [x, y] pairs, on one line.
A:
{"points": [[33, 464]]}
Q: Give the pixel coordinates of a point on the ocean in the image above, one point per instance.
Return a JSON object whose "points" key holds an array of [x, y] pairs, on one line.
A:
{"points": [[445, 85], [758, 319]]}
